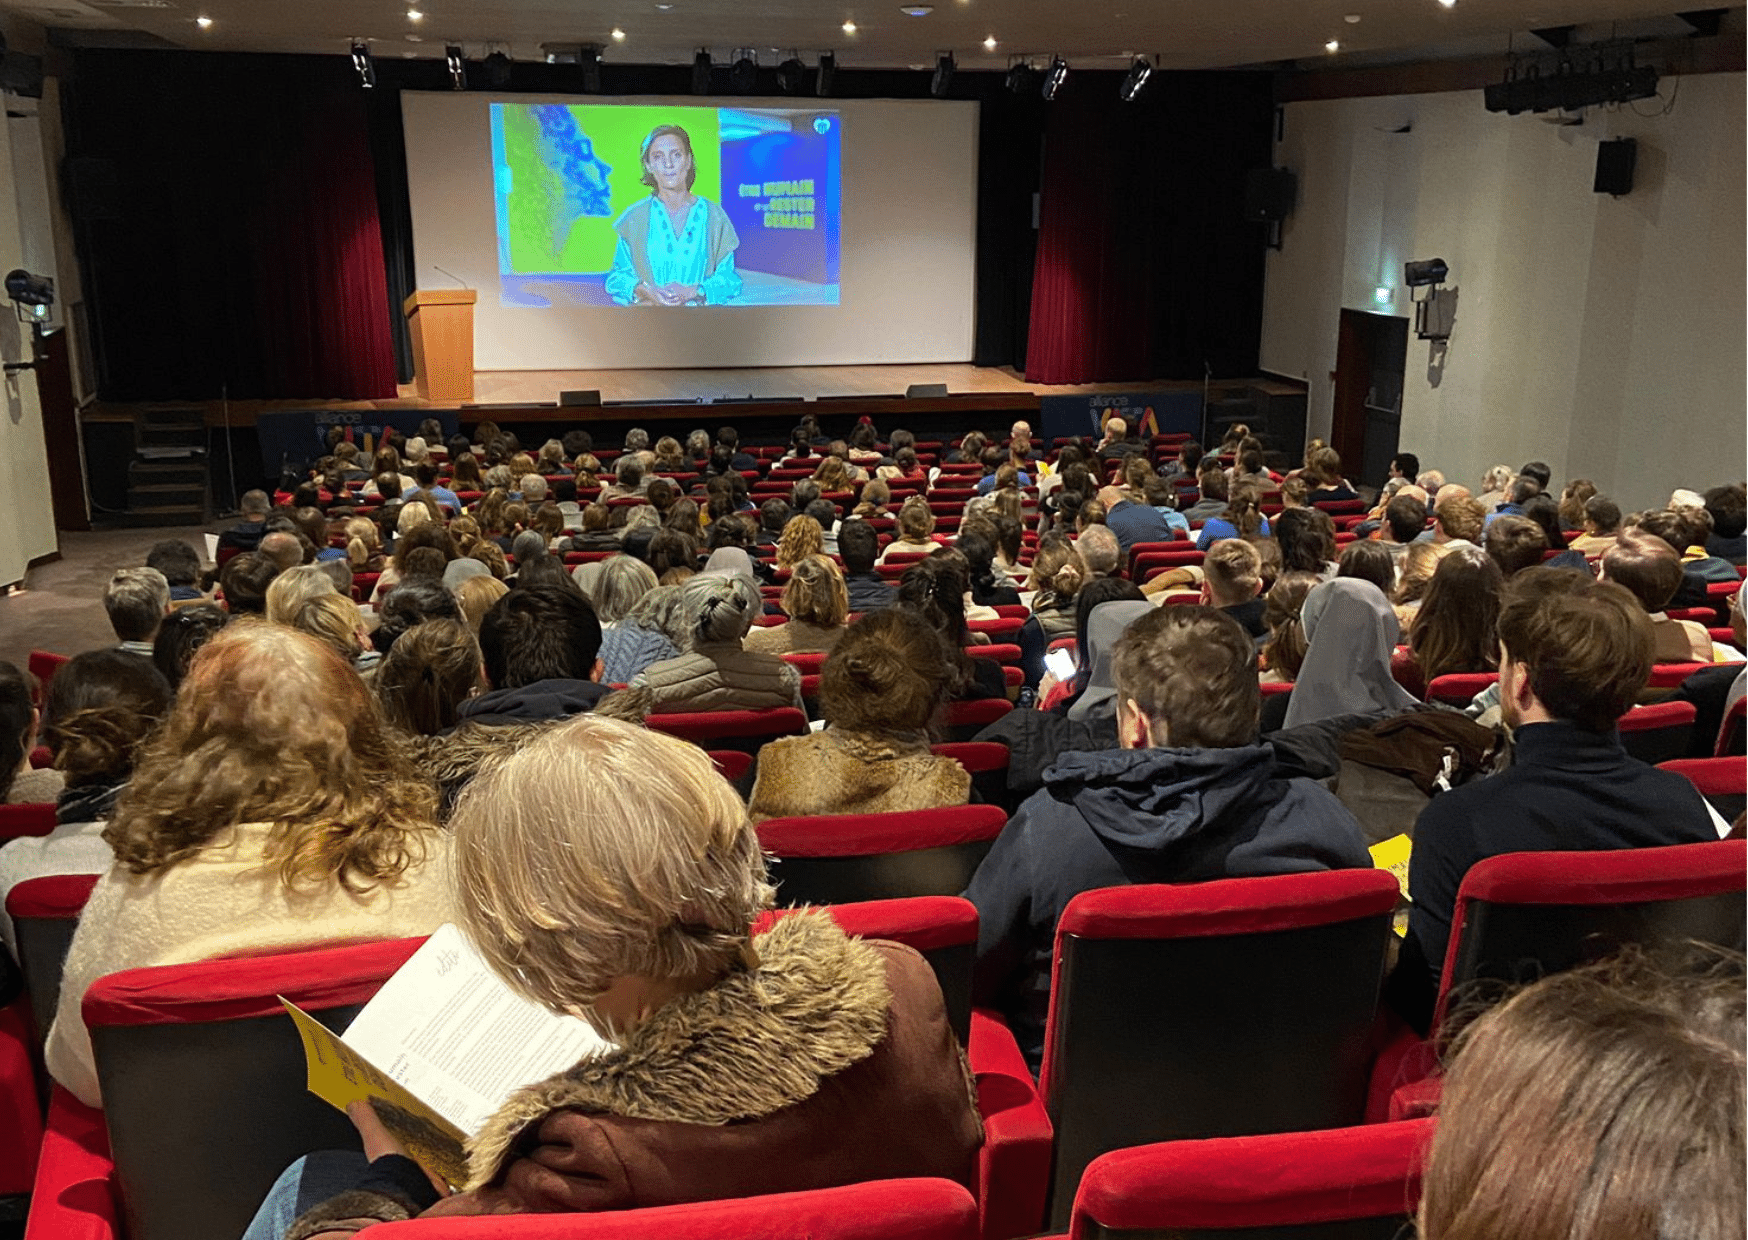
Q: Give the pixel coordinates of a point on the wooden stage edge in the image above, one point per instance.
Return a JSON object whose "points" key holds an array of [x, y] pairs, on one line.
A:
{"points": [[708, 397]]}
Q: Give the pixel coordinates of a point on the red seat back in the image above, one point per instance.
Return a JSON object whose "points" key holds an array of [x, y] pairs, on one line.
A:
{"points": [[45, 912], [29, 818], [1520, 916], [1659, 732], [1460, 688], [842, 858], [1723, 781], [1222, 1008], [1360, 1183], [964, 720], [731, 729]]}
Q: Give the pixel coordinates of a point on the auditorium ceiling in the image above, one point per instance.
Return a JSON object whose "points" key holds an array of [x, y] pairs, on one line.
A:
{"points": [[1183, 34]]}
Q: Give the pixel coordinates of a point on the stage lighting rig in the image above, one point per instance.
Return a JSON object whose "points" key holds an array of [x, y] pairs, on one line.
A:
{"points": [[743, 75], [791, 75], [363, 63], [828, 70], [591, 64], [1054, 79], [945, 66], [1428, 271], [1021, 76], [456, 59], [701, 72], [1135, 79], [32, 297], [496, 70]]}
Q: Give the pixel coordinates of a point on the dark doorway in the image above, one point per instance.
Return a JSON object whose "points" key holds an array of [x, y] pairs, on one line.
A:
{"points": [[1371, 356], [60, 424]]}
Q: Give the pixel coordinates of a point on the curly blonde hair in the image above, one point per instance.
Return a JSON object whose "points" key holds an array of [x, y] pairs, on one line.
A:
{"points": [[802, 537], [273, 726]]}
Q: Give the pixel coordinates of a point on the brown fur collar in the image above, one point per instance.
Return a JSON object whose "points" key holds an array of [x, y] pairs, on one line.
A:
{"points": [[452, 760], [749, 1046]]}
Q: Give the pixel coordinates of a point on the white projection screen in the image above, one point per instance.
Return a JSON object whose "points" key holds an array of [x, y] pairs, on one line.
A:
{"points": [[850, 227]]}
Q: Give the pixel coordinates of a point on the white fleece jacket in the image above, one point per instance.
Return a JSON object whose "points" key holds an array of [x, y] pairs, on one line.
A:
{"points": [[224, 901]]}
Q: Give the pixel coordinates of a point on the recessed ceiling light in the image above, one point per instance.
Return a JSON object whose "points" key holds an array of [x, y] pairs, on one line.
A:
{"points": [[618, 35], [916, 10], [664, 7], [415, 38], [1334, 45], [1447, 4], [1352, 19], [849, 27], [204, 22], [989, 44], [414, 15]]}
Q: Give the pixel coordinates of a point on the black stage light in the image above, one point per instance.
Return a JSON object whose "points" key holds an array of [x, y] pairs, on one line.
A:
{"points": [[32, 295], [743, 75], [590, 62], [943, 80], [791, 75], [457, 62], [1054, 79], [1021, 77], [496, 69], [1427, 271], [1135, 79], [828, 69], [701, 73], [361, 61]]}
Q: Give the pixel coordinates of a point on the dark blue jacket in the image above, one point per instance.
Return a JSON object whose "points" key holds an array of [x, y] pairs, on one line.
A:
{"points": [[1124, 816]]}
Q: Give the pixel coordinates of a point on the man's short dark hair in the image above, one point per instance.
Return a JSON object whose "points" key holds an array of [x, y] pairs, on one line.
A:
{"points": [[1523, 489], [858, 544], [774, 514], [1539, 471], [823, 511], [803, 493], [577, 443], [1603, 513], [1646, 567], [425, 474], [1729, 508], [1407, 464], [1586, 644], [1515, 543], [542, 633], [1213, 484], [244, 580], [1192, 671], [1671, 525], [728, 437], [1406, 517], [179, 562]]}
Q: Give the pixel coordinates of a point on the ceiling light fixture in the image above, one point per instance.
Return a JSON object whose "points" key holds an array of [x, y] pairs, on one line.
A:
{"points": [[791, 74], [849, 27], [1334, 45], [457, 62], [989, 44], [1135, 79], [414, 15], [204, 22], [1447, 4], [701, 72], [828, 70], [362, 62], [1054, 79], [916, 10], [618, 35], [942, 82], [1352, 19]]}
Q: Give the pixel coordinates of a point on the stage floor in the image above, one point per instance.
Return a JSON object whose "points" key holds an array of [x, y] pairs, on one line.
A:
{"points": [[776, 382]]}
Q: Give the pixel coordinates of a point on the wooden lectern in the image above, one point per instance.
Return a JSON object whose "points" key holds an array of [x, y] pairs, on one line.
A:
{"points": [[441, 322]]}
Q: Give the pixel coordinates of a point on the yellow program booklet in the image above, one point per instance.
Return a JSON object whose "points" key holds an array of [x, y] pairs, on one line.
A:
{"points": [[1392, 855], [439, 1049]]}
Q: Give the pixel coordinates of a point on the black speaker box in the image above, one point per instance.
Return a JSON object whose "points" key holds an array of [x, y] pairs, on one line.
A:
{"points": [[1268, 194], [1614, 166], [591, 397]]}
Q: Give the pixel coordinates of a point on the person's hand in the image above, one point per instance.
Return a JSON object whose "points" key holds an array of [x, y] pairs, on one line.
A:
{"points": [[1045, 687], [646, 294], [379, 1142], [686, 292]]}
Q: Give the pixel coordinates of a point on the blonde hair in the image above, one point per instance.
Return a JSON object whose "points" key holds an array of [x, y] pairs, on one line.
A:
{"points": [[802, 537], [411, 517], [816, 593], [363, 541], [294, 587], [331, 619], [1057, 567], [915, 520], [475, 597], [604, 851]]}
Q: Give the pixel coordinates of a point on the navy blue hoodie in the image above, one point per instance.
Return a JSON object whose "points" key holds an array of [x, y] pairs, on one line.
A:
{"points": [[532, 703], [1123, 816]]}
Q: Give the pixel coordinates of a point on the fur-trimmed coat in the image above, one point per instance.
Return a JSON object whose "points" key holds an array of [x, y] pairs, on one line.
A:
{"points": [[830, 1063], [842, 772]]}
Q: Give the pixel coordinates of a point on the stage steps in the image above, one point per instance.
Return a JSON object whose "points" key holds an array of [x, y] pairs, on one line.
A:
{"points": [[167, 482]]}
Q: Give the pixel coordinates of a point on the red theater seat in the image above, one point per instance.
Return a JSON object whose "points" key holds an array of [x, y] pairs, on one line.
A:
{"points": [[1460, 688], [842, 858], [731, 729], [1723, 781], [45, 912], [29, 818], [965, 720], [1658, 733], [44, 664], [1224, 1008], [1340, 1184]]}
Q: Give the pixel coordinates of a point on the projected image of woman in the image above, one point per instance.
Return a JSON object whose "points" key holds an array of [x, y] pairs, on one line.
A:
{"points": [[675, 248]]}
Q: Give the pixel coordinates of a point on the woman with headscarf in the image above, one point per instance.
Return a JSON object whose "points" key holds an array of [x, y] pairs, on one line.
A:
{"points": [[1352, 632]]}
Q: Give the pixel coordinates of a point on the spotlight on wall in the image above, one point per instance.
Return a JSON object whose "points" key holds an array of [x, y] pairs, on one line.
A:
{"points": [[743, 75], [1054, 79], [32, 296], [1427, 271], [791, 75], [828, 72], [495, 69], [1135, 79], [701, 72], [363, 63], [457, 62], [945, 66]]}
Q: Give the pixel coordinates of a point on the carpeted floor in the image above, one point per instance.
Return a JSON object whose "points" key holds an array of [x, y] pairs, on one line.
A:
{"points": [[61, 606]]}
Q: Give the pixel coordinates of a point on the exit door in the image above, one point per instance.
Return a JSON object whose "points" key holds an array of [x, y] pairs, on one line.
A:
{"points": [[1371, 357]]}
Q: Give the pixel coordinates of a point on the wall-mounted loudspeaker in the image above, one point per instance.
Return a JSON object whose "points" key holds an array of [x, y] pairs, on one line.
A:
{"points": [[1268, 194], [926, 391], [590, 397], [1614, 166]]}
